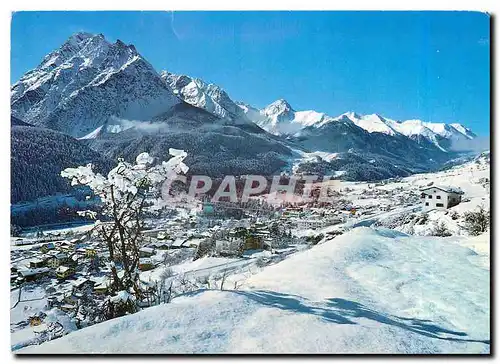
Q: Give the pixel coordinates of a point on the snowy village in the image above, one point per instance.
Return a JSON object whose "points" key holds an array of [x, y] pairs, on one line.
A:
{"points": [[162, 203], [61, 279]]}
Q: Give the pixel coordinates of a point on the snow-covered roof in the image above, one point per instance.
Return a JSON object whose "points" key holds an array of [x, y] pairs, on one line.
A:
{"points": [[33, 271], [449, 189], [147, 250], [159, 243], [80, 281], [101, 285], [40, 328], [37, 260], [75, 257], [178, 242], [145, 261], [62, 269], [194, 241]]}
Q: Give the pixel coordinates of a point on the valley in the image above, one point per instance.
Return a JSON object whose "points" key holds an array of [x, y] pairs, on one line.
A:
{"points": [[104, 261], [333, 271]]}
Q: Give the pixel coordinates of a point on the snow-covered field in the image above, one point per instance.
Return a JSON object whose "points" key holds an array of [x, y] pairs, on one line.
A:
{"points": [[368, 291], [29, 302]]}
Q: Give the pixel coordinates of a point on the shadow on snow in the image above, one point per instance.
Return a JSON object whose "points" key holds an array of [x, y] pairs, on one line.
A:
{"points": [[342, 311]]}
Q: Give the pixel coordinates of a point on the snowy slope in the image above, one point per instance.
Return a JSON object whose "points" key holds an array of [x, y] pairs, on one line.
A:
{"points": [[79, 86], [204, 95], [472, 178], [375, 123], [465, 131], [451, 131], [368, 291]]}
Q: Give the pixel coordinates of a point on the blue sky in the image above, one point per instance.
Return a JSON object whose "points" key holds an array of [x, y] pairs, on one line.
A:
{"points": [[432, 66]]}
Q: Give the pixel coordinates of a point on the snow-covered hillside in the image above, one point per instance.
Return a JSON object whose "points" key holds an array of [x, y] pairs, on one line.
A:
{"points": [[401, 197], [368, 291], [473, 178], [80, 85]]}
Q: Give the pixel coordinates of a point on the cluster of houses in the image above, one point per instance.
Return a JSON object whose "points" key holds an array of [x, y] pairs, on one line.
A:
{"points": [[59, 259]]}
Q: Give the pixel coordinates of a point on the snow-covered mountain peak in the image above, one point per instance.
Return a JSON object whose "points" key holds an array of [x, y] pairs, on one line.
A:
{"points": [[85, 45], [278, 108], [280, 118], [349, 114], [434, 131], [207, 96], [414, 127], [375, 123], [80, 85]]}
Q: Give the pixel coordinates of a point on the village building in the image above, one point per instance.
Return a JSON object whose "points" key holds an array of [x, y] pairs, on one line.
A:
{"points": [[162, 235], [13, 277], [46, 247], [54, 300], [440, 197], [102, 284], [101, 288], [66, 307], [63, 272], [82, 285], [75, 258], [67, 246], [37, 263], [145, 264], [75, 241], [292, 211], [193, 242], [160, 245], [177, 243], [226, 248], [81, 251], [57, 259], [90, 252], [33, 274], [146, 252], [37, 319]]}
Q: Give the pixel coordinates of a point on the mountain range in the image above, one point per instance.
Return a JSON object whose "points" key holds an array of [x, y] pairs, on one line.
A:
{"points": [[280, 118], [108, 98]]}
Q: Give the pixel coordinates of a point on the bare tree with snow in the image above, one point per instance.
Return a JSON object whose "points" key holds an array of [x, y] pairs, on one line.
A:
{"points": [[126, 194]]}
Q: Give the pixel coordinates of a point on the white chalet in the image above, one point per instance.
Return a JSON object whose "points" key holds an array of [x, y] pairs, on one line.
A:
{"points": [[440, 197]]}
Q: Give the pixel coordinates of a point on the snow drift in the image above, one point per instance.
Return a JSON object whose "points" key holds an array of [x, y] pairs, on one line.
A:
{"points": [[368, 291]]}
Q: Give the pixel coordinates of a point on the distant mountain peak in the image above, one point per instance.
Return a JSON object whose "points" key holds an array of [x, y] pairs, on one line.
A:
{"points": [[281, 119], [204, 95], [79, 37], [350, 115], [279, 106], [279, 112]]}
